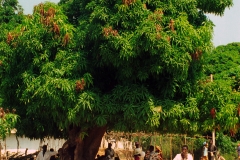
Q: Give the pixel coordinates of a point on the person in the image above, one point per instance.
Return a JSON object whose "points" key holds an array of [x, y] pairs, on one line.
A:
{"points": [[219, 157], [109, 152], [59, 154], [212, 149], [147, 155], [137, 152], [44, 154], [154, 155], [238, 150], [158, 152], [205, 151], [52, 157], [184, 155]]}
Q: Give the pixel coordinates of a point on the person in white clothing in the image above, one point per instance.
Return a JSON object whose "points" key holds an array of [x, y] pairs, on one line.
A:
{"points": [[44, 154], [137, 152], [184, 155]]}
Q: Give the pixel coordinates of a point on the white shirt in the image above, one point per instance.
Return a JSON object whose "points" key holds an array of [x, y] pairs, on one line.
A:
{"points": [[137, 151], [179, 157], [46, 156]]}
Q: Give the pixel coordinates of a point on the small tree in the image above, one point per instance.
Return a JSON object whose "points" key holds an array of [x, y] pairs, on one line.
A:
{"points": [[7, 122]]}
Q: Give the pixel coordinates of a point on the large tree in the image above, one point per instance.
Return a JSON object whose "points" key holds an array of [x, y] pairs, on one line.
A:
{"points": [[126, 65]]}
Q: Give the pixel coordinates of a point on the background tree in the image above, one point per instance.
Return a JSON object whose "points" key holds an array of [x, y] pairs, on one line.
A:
{"points": [[7, 122], [121, 65], [11, 16], [8, 10], [222, 95], [223, 63]]}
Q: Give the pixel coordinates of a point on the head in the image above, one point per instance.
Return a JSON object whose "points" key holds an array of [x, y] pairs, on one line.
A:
{"points": [[151, 148], [210, 142], [205, 144], [51, 149], [184, 149], [44, 147], [147, 152], [137, 144], [109, 145]]}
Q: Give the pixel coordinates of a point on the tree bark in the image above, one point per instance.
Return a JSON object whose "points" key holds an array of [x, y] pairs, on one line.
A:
{"points": [[82, 148]]}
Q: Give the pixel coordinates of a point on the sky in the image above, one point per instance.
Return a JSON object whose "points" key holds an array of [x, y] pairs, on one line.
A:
{"points": [[226, 30]]}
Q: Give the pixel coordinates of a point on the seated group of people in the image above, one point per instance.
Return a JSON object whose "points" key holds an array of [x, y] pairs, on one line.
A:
{"points": [[151, 154]]}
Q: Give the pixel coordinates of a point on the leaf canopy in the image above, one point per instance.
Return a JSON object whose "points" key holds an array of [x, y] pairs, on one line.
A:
{"points": [[131, 65]]}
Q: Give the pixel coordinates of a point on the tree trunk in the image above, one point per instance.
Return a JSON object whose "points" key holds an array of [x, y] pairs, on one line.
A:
{"points": [[85, 147]]}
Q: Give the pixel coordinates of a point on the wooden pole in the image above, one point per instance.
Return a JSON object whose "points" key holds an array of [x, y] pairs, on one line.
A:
{"points": [[213, 131]]}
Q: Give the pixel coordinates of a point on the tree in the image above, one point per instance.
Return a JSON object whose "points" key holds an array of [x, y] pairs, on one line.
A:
{"points": [[112, 65], [7, 122], [8, 10], [11, 16], [223, 93]]}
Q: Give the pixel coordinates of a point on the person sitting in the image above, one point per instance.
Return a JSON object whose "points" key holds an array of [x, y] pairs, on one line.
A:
{"points": [[154, 155], [109, 152], [137, 152], [44, 154], [158, 152], [147, 155], [52, 157], [219, 157]]}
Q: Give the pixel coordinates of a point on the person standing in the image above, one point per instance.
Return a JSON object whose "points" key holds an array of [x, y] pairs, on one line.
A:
{"points": [[109, 152], [184, 155], [205, 151], [44, 154], [212, 150]]}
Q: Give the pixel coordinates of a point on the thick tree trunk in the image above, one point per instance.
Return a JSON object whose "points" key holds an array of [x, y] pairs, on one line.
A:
{"points": [[79, 147]]}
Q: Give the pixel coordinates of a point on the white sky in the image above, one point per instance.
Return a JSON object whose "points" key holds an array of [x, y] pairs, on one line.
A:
{"points": [[226, 30]]}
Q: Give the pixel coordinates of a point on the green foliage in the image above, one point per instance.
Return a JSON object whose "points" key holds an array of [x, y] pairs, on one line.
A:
{"points": [[7, 123], [224, 144], [8, 10], [46, 66], [214, 6], [222, 94], [130, 65]]}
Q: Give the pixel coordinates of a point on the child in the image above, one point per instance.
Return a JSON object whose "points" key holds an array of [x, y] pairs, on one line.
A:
{"points": [[205, 151]]}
